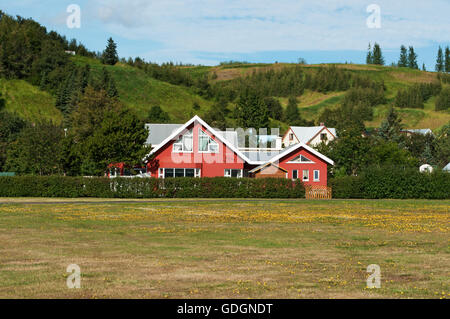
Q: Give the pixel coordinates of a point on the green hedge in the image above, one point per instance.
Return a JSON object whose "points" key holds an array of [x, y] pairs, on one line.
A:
{"points": [[392, 182], [372, 184], [58, 186]]}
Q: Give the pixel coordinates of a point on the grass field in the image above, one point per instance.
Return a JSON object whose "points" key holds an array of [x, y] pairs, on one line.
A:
{"points": [[224, 248]]}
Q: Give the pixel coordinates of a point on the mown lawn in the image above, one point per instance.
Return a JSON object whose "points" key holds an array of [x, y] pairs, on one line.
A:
{"points": [[224, 248]]}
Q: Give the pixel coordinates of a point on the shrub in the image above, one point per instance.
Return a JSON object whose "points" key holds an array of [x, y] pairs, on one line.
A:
{"points": [[59, 186], [393, 182]]}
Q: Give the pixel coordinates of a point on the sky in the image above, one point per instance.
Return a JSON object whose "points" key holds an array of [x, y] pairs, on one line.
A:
{"points": [[211, 31]]}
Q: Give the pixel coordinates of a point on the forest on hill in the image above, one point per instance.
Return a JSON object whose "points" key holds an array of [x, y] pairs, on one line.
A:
{"points": [[56, 89]]}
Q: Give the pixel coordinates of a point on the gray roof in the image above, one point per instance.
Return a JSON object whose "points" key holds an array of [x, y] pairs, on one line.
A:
{"points": [[422, 131], [447, 167], [159, 132], [306, 133], [261, 156], [230, 136]]}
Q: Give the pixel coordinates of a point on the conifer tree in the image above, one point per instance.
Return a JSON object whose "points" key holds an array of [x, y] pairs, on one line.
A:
{"points": [[447, 59], [391, 126], [403, 61], [440, 61], [377, 55], [412, 59], [110, 55], [369, 57]]}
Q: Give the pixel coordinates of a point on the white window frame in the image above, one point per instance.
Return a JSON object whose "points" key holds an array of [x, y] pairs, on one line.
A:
{"points": [[293, 161], [230, 175], [162, 172], [318, 175], [295, 170], [291, 137], [303, 175], [211, 141], [181, 142]]}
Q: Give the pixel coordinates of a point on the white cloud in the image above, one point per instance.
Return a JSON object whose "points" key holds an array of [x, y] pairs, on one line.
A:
{"points": [[184, 26]]}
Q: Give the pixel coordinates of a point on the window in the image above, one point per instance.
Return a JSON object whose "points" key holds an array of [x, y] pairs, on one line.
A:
{"points": [[295, 174], [305, 175], [206, 144], [301, 159], [169, 172], [234, 173], [324, 137], [178, 172], [291, 137], [184, 144], [316, 176]]}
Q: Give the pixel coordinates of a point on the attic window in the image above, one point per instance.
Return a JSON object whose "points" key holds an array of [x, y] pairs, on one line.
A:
{"points": [[206, 144], [184, 143], [301, 159], [324, 137]]}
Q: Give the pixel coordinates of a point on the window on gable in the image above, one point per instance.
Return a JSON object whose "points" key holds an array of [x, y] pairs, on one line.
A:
{"points": [[184, 143], [301, 159], [206, 144], [291, 137], [324, 137]]}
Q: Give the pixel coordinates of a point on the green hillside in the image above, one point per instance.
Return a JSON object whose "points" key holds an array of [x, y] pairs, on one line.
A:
{"points": [[311, 103], [140, 92], [28, 101]]}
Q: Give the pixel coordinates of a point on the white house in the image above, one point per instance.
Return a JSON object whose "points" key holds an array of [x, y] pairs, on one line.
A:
{"points": [[311, 136]]}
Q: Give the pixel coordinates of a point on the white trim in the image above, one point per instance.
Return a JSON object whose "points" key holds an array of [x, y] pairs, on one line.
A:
{"points": [[314, 175], [200, 131], [303, 175], [240, 175], [300, 162], [295, 170], [306, 147], [211, 130]]}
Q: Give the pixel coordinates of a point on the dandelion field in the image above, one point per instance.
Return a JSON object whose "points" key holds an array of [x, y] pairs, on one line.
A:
{"points": [[224, 248]]}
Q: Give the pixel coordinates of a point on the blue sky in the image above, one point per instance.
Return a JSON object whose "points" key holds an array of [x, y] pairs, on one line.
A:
{"points": [[211, 31]]}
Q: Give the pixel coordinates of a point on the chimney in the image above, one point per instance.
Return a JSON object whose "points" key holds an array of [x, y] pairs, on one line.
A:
{"points": [[322, 124]]}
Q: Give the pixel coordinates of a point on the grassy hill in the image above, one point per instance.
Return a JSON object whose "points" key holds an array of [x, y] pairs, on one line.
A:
{"points": [[140, 92]]}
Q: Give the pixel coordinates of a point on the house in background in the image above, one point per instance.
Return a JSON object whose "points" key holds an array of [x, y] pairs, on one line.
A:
{"points": [[422, 131], [195, 149], [447, 168], [312, 136]]}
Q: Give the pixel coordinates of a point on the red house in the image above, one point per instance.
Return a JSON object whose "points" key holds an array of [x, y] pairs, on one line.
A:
{"points": [[197, 150]]}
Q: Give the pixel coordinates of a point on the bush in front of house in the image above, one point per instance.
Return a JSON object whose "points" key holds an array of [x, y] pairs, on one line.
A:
{"points": [[219, 187], [393, 182]]}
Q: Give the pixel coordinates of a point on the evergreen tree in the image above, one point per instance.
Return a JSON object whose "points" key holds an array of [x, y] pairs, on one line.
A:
{"points": [[110, 55], [377, 55], [403, 61], [391, 126], [440, 61], [447, 59], [424, 67], [369, 57], [412, 59], [251, 112], [108, 84], [157, 115], [274, 108], [292, 115]]}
